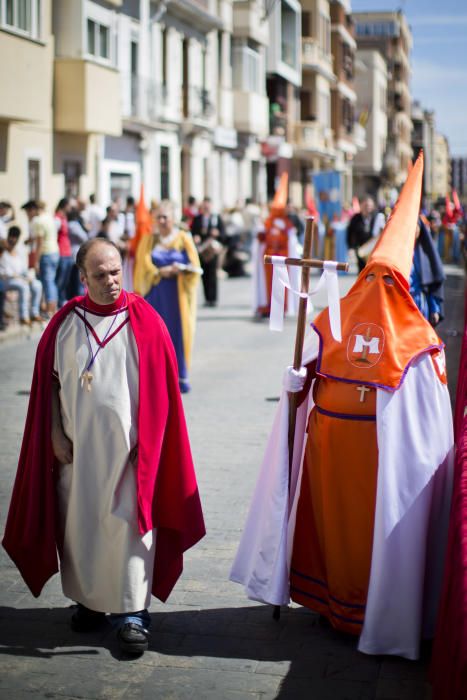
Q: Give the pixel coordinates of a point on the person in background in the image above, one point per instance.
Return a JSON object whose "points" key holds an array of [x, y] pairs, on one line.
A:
{"points": [[293, 216], [189, 212], [363, 226], [14, 276], [427, 275], [115, 224], [7, 214], [167, 275], [129, 219], [65, 263], [208, 235], [44, 235], [93, 215], [78, 235]]}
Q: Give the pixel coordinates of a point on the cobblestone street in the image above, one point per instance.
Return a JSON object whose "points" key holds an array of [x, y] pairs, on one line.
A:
{"points": [[209, 641]]}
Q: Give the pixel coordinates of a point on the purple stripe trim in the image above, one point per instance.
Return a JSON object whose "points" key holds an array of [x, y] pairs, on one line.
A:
{"points": [[345, 416], [325, 602], [324, 585], [365, 381]]}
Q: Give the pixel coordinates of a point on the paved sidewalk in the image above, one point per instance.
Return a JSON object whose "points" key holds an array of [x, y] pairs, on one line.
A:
{"points": [[209, 641]]}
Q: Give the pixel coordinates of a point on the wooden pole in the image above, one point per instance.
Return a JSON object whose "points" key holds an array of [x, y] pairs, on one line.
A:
{"points": [[299, 338], [300, 334]]}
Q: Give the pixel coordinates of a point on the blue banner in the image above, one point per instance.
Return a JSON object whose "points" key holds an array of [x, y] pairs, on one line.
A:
{"points": [[327, 186]]}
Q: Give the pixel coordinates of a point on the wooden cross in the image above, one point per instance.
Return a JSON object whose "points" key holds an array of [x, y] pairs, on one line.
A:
{"points": [[86, 377], [306, 263], [363, 390]]}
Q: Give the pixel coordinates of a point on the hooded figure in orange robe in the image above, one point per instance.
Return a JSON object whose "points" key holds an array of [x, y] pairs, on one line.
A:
{"points": [[360, 536], [279, 237]]}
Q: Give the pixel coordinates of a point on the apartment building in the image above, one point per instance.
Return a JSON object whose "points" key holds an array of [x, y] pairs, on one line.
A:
{"points": [[27, 169], [87, 100], [283, 91], [112, 93], [250, 101], [441, 168], [349, 134], [389, 33], [459, 178], [313, 137], [423, 137], [371, 84]]}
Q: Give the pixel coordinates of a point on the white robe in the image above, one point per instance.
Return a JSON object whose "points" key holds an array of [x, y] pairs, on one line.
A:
{"points": [[415, 464], [105, 563]]}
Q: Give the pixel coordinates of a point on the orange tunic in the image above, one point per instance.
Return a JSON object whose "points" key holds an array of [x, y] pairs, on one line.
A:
{"points": [[334, 529], [277, 243]]}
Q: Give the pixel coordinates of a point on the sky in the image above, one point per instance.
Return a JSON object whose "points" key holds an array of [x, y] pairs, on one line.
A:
{"points": [[439, 60]]}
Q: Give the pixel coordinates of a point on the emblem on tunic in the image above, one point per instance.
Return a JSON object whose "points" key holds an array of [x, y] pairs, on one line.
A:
{"points": [[365, 346]]}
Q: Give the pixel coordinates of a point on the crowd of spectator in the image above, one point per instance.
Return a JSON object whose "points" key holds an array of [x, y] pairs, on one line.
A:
{"points": [[39, 263]]}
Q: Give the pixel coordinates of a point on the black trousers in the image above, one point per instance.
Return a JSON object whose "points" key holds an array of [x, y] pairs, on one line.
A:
{"points": [[210, 280]]}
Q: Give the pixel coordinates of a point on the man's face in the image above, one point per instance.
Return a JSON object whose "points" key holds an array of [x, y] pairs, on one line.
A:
{"points": [[367, 207], [31, 213], [103, 274], [12, 241], [206, 207]]}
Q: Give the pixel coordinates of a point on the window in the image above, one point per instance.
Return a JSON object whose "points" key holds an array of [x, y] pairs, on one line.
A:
{"points": [[34, 179], [247, 68], [289, 21], [306, 24], [120, 185], [98, 39], [324, 108], [325, 34], [165, 172], [21, 16], [348, 117], [72, 173], [164, 57]]}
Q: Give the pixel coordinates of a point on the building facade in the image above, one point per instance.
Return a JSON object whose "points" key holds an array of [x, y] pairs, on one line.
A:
{"points": [[188, 97], [423, 137], [459, 178], [27, 169], [371, 86], [389, 33], [441, 168]]}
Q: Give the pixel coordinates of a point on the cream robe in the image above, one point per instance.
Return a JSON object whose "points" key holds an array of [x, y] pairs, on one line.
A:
{"points": [[105, 563]]}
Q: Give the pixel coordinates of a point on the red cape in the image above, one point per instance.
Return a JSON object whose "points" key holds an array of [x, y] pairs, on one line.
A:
{"points": [[167, 492]]}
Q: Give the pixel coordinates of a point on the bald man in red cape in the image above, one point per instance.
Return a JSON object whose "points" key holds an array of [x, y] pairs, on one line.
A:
{"points": [[151, 513]]}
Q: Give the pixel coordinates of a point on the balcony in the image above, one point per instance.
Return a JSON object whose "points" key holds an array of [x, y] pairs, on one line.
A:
{"points": [[313, 137], [86, 98], [25, 71], [251, 113], [195, 13], [197, 105], [314, 58], [143, 99], [248, 22]]}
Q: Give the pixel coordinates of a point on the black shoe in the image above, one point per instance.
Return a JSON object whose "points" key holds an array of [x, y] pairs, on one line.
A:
{"points": [[85, 620], [133, 638]]}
